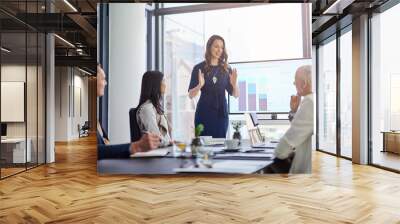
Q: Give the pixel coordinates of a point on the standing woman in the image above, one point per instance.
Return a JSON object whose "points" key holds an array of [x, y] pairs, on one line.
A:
{"points": [[213, 77]]}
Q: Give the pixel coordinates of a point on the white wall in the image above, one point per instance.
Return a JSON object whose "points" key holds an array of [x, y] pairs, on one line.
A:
{"points": [[61, 104], [17, 73], [127, 63], [68, 82], [13, 73], [80, 83]]}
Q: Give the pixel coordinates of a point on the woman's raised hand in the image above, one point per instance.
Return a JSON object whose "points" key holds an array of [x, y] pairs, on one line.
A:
{"points": [[201, 79]]}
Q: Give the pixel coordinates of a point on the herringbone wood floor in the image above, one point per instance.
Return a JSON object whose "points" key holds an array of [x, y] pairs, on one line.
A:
{"points": [[70, 191]]}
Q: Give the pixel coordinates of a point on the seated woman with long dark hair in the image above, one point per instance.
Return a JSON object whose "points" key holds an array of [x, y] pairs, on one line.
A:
{"points": [[105, 150], [150, 114]]}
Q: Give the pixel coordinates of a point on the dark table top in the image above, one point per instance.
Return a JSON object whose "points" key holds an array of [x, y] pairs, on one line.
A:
{"points": [[166, 164]]}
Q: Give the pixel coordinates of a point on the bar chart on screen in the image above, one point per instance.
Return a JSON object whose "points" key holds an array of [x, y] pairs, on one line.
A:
{"points": [[265, 86]]}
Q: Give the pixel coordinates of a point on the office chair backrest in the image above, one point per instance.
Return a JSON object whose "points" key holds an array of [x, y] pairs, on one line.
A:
{"points": [[86, 125], [135, 131]]}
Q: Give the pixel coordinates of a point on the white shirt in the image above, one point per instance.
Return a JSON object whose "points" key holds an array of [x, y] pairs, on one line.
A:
{"points": [[150, 121], [298, 137]]}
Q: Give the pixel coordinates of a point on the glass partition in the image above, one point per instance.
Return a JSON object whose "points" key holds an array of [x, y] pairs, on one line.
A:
{"points": [[22, 88], [14, 152], [31, 100]]}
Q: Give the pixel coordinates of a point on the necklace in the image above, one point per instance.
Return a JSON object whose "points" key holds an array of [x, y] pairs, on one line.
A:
{"points": [[214, 79]]}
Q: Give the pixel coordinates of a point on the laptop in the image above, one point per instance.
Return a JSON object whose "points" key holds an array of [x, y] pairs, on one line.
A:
{"points": [[256, 139]]}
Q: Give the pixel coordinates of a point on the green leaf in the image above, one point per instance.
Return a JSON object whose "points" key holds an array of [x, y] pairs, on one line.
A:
{"points": [[198, 130]]}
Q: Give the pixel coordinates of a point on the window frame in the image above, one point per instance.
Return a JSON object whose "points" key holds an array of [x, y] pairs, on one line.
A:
{"points": [[159, 12], [333, 37]]}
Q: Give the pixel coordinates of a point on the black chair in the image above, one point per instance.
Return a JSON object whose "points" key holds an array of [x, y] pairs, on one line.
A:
{"points": [[84, 129], [135, 131]]}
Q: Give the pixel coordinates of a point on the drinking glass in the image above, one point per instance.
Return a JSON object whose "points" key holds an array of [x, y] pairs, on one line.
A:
{"points": [[205, 157]]}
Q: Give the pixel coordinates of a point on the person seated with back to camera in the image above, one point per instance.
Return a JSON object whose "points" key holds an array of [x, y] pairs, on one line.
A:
{"points": [[150, 114], [105, 150]]}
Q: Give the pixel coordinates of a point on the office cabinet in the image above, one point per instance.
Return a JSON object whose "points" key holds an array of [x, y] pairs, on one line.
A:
{"points": [[391, 142]]}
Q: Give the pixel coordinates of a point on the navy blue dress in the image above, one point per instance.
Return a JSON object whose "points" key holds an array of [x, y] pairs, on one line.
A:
{"points": [[212, 108]]}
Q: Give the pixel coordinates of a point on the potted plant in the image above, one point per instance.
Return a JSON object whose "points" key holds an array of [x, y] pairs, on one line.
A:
{"points": [[197, 143], [236, 126]]}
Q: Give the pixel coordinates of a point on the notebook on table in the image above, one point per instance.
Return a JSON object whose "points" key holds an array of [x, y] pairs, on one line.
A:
{"points": [[161, 152]]}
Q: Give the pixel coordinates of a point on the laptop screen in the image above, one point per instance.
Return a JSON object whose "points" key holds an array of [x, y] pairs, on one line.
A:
{"points": [[255, 136], [253, 128], [254, 119]]}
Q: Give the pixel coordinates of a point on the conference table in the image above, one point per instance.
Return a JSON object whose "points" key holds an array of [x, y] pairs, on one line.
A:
{"points": [[245, 161]]}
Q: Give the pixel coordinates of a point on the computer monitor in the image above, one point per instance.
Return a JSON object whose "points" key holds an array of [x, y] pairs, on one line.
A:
{"points": [[3, 129]]}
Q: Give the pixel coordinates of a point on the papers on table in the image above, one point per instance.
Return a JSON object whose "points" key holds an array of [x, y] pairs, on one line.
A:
{"points": [[152, 153], [214, 141], [266, 145], [262, 150], [214, 149], [227, 166], [243, 155]]}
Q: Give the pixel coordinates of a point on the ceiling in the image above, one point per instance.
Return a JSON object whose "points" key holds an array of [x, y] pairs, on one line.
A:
{"points": [[330, 15], [74, 21]]}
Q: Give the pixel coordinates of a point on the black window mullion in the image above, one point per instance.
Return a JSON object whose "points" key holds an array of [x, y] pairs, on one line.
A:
{"points": [[37, 90], [317, 96], [369, 81], [0, 97], [26, 87], [44, 72], [338, 76]]}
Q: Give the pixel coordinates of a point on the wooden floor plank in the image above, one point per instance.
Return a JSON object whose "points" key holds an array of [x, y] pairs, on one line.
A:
{"points": [[70, 191]]}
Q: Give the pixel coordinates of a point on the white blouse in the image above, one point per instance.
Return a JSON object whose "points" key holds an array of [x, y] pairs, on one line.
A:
{"points": [[150, 121]]}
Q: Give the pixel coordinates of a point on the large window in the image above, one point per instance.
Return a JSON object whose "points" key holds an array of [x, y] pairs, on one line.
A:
{"points": [[335, 73], [346, 94], [327, 96], [185, 36], [385, 84]]}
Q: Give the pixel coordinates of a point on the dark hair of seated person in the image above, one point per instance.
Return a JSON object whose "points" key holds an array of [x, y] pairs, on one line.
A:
{"points": [[151, 89]]}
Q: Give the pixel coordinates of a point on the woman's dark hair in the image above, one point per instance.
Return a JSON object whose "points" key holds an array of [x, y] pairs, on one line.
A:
{"points": [[151, 89]]}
